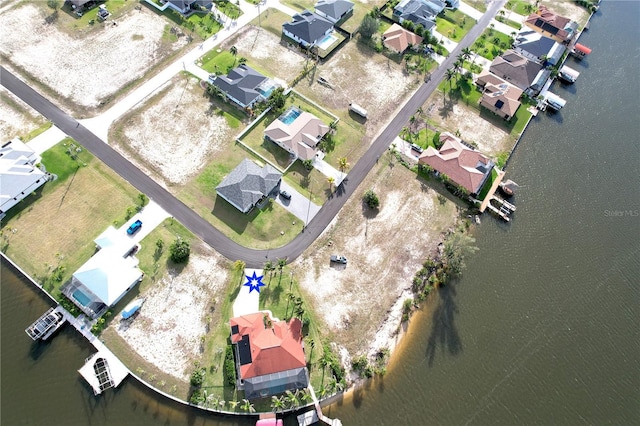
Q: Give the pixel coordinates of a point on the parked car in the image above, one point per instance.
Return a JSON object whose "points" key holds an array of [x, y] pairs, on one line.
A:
{"points": [[135, 227], [416, 148], [285, 195], [338, 259]]}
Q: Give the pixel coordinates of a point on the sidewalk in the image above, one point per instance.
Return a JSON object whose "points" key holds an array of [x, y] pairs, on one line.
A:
{"points": [[46, 140], [469, 10]]}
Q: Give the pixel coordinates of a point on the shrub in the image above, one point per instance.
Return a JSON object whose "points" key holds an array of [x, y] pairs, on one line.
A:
{"points": [[197, 377], [197, 397], [371, 199], [229, 367], [180, 251], [368, 27]]}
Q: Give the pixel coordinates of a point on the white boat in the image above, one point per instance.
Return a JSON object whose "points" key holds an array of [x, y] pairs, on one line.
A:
{"points": [[132, 308]]}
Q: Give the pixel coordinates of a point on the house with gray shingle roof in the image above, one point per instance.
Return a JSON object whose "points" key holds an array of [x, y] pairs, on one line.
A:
{"points": [[420, 12], [334, 10], [307, 28], [519, 71], [538, 48], [248, 184], [243, 85]]}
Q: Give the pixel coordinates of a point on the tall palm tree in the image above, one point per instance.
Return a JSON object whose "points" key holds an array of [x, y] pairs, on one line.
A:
{"points": [[331, 181], [343, 164], [247, 406], [281, 264], [269, 267], [324, 362], [466, 53], [234, 52], [449, 74], [312, 345]]}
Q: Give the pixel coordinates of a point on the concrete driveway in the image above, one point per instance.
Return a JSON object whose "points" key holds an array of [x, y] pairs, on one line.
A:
{"points": [[151, 216], [299, 205]]}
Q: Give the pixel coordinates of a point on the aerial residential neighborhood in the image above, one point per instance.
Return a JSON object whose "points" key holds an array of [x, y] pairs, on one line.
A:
{"points": [[226, 158]]}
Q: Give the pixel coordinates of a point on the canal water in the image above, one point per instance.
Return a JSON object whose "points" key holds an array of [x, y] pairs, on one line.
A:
{"points": [[542, 328]]}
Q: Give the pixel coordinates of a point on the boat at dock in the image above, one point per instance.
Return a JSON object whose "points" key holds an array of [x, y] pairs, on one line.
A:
{"points": [[568, 74], [46, 325]]}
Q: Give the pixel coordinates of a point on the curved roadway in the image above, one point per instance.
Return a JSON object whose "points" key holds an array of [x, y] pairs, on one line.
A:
{"points": [[195, 223]]}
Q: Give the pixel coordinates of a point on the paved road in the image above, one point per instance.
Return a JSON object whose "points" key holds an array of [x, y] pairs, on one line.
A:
{"points": [[195, 223]]}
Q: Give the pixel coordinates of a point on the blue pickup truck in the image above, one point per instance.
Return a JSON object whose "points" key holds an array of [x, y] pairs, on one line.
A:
{"points": [[135, 227]]}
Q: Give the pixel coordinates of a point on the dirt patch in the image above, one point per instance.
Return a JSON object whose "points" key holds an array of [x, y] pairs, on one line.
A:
{"points": [[175, 131], [457, 117], [96, 64], [259, 45], [168, 329], [356, 74], [361, 303], [16, 117]]}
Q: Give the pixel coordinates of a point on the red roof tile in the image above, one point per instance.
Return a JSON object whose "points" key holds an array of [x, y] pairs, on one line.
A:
{"points": [[273, 349]]}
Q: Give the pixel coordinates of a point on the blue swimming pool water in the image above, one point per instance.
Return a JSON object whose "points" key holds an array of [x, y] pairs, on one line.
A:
{"points": [[290, 116], [266, 91], [327, 41], [81, 297]]}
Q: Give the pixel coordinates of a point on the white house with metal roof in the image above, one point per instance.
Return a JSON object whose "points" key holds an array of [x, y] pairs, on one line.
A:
{"points": [[19, 176], [107, 276]]}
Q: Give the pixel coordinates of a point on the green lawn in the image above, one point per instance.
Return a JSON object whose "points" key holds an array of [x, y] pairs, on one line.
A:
{"points": [[309, 183], [272, 20], [220, 62], [229, 9], [520, 7], [513, 24], [477, 4], [72, 209], [491, 43], [488, 184], [454, 24]]}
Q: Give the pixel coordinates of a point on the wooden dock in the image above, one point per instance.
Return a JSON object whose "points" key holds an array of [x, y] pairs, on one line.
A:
{"points": [[312, 417]]}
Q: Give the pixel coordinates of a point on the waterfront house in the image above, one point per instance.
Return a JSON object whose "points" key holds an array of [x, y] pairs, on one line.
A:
{"points": [[464, 166], [498, 96], [244, 86], [399, 39], [19, 176], [298, 132], [420, 12], [248, 184], [307, 28], [269, 355], [107, 276], [556, 27], [519, 71], [334, 10], [538, 48]]}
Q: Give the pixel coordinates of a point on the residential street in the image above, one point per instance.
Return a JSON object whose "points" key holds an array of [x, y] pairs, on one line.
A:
{"points": [[254, 258]]}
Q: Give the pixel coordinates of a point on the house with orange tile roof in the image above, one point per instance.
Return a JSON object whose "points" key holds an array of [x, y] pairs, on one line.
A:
{"points": [[298, 132], [399, 39], [549, 24], [466, 167], [269, 355]]}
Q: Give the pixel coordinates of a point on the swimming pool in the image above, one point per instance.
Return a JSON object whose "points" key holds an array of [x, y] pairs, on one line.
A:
{"points": [[326, 41], [81, 297], [290, 115], [266, 89]]}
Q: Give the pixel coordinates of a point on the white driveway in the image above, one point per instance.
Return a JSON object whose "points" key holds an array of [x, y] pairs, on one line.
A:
{"points": [[469, 11], [247, 301], [299, 205], [46, 140], [151, 216]]}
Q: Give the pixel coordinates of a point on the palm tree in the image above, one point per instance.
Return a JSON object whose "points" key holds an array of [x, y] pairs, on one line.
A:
{"points": [[234, 52], [290, 298], [277, 404], [242, 60], [343, 164], [247, 406], [449, 74], [233, 405], [281, 264], [466, 53], [305, 396], [331, 181], [324, 362], [312, 345], [291, 398], [239, 266], [269, 267]]}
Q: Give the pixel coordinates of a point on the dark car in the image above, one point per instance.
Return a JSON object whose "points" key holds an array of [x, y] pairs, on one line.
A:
{"points": [[285, 195], [135, 227]]}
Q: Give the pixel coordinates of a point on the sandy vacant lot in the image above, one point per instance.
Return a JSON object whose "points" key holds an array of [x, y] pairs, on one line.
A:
{"points": [[92, 67], [490, 139], [168, 328], [260, 46], [356, 75], [175, 132], [361, 303], [16, 117]]}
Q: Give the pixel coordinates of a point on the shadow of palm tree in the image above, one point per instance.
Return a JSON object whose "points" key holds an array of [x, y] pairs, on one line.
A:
{"points": [[443, 329]]}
